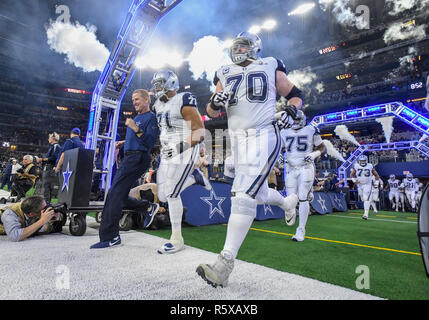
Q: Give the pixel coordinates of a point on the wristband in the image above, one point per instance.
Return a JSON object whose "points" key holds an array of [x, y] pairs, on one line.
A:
{"points": [[182, 146]]}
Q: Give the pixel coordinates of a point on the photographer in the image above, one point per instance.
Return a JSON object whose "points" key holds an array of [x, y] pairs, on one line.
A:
{"points": [[25, 179], [49, 178], [29, 217]]}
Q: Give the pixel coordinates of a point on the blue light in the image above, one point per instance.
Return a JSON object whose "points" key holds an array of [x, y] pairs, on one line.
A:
{"points": [[352, 113], [408, 113], [423, 121], [373, 109]]}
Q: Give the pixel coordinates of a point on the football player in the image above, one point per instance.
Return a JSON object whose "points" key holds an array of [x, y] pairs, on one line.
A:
{"points": [[248, 89], [182, 130], [401, 189], [411, 188], [377, 185], [419, 192], [362, 175], [303, 145], [393, 185]]}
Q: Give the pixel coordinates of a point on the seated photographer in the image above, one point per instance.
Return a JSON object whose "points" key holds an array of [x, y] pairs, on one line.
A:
{"points": [[25, 179], [27, 218]]}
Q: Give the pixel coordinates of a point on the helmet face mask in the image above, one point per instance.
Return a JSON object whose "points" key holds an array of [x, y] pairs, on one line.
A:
{"points": [[300, 120], [363, 161], [164, 81], [409, 176], [246, 46], [392, 177]]}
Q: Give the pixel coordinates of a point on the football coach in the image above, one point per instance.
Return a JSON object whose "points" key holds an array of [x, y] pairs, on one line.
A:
{"points": [[142, 134]]}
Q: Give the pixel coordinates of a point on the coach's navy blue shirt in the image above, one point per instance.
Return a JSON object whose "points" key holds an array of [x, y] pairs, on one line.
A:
{"points": [[149, 126], [71, 143], [52, 154]]}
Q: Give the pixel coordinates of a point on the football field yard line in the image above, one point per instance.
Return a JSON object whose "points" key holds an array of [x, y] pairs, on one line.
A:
{"points": [[339, 216], [341, 242]]}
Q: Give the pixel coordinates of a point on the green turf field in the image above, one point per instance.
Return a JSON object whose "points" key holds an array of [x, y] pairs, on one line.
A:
{"points": [[335, 245]]}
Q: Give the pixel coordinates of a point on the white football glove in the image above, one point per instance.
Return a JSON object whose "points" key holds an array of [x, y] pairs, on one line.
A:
{"points": [[169, 151], [220, 100], [284, 120], [312, 156]]}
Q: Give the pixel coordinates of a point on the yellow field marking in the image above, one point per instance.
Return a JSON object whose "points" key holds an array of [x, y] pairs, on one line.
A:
{"points": [[383, 216], [341, 242], [411, 218], [356, 213]]}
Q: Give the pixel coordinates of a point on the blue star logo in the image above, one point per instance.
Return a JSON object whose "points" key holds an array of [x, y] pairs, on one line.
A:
{"points": [[338, 201], [215, 204], [322, 203], [267, 208], [66, 174]]}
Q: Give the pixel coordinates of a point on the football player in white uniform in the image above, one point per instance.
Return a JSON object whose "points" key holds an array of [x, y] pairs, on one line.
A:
{"points": [[393, 185], [248, 89], [182, 130], [303, 145], [419, 192], [401, 189], [361, 175], [410, 186], [377, 185]]}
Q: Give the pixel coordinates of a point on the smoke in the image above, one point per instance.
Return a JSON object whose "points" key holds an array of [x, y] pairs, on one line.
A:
{"points": [[398, 31], [399, 6], [302, 78], [332, 151], [208, 54], [281, 104], [320, 87], [344, 14], [343, 132], [405, 63], [386, 123], [79, 43]]}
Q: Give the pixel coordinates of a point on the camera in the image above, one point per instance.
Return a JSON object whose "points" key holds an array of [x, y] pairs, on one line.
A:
{"points": [[61, 209]]}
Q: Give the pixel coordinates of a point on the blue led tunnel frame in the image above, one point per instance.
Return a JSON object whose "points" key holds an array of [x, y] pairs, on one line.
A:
{"points": [[401, 145], [397, 109], [134, 35]]}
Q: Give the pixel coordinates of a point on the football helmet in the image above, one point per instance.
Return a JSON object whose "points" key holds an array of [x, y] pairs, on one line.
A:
{"points": [[363, 160], [417, 180], [163, 81], [392, 177], [246, 46], [300, 120], [409, 176]]}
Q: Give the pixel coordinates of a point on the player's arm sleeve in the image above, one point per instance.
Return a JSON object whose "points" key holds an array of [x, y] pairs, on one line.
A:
{"points": [[216, 79], [12, 225], [189, 100]]}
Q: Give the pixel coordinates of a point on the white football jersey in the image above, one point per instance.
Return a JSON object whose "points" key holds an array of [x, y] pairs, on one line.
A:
{"points": [[380, 184], [253, 92], [173, 127], [300, 143], [410, 185], [393, 185], [420, 187], [364, 174]]}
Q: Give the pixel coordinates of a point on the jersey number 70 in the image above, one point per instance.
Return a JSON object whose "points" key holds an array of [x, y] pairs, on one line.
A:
{"points": [[256, 87]]}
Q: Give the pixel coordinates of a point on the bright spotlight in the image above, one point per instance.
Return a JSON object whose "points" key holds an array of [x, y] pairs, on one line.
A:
{"points": [[304, 8], [269, 24], [139, 63], [255, 29]]}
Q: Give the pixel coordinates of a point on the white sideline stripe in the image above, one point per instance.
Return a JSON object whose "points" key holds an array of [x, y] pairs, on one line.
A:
{"points": [[136, 271], [360, 218]]}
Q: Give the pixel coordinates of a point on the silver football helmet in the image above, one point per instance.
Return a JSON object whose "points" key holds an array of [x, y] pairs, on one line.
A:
{"points": [[409, 176], [363, 160], [392, 177], [246, 46], [300, 120], [163, 81]]}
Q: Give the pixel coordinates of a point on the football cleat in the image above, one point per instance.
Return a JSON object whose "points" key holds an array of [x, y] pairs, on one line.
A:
{"points": [[217, 274], [364, 217], [290, 210], [172, 246], [299, 235]]}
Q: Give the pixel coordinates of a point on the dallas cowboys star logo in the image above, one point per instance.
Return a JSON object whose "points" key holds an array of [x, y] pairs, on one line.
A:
{"points": [[322, 203], [267, 208], [66, 174], [338, 201], [215, 204], [326, 173]]}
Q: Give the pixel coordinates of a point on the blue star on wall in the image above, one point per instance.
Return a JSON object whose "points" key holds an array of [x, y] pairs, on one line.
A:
{"points": [[215, 204], [338, 202], [267, 208], [66, 174], [322, 203]]}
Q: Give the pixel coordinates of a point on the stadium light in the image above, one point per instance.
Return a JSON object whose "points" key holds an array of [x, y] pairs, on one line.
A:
{"points": [[302, 9], [255, 29], [269, 24]]}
